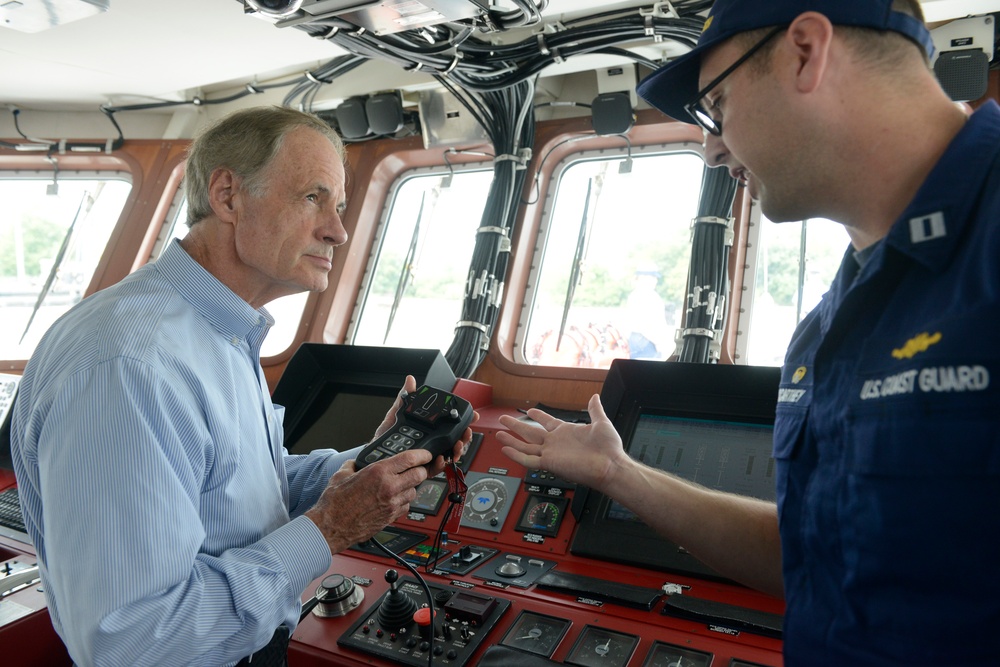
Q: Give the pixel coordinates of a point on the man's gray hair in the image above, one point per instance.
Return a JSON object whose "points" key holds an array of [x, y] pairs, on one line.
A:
{"points": [[245, 142]]}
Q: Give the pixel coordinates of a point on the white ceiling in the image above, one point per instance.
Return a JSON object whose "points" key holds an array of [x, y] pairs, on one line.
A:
{"points": [[154, 49]]}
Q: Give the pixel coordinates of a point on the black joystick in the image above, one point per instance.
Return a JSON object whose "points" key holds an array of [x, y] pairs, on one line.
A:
{"points": [[396, 610]]}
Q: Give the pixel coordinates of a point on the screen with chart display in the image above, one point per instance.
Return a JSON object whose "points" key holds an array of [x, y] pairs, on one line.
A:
{"points": [[711, 424]]}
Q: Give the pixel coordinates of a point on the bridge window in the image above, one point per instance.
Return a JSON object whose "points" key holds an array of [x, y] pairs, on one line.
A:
{"points": [[611, 261], [53, 233], [415, 281], [794, 267]]}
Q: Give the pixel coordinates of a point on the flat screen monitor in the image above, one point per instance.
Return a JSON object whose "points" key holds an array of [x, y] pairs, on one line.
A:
{"points": [[335, 396], [712, 424]]}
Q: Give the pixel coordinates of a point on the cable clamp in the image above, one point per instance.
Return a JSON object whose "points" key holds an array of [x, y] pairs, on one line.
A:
{"points": [[109, 146], [711, 219], [253, 90], [197, 101], [312, 77], [659, 12], [705, 333], [492, 230], [521, 160], [454, 64], [648, 26], [542, 48], [470, 324], [415, 67], [330, 33], [62, 147], [730, 235]]}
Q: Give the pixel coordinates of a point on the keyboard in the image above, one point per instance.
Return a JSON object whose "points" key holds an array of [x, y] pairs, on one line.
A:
{"points": [[10, 510]]}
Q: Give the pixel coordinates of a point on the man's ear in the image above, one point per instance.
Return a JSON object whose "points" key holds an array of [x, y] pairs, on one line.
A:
{"points": [[222, 189], [810, 36]]}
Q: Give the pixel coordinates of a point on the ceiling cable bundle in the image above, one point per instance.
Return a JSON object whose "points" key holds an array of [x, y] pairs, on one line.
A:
{"points": [[454, 50], [508, 117]]}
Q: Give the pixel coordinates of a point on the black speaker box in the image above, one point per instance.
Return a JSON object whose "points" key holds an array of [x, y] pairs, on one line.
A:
{"points": [[385, 113], [352, 119], [611, 113], [963, 74]]}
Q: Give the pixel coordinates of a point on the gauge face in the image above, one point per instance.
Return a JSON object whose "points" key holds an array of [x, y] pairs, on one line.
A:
{"points": [[536, 633], [542, 515], [598, 647], [667, 655], [485, 499], [430, 493]]}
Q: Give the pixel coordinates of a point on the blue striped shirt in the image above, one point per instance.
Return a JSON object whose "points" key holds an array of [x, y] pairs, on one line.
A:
{"points": [[155, 486]]}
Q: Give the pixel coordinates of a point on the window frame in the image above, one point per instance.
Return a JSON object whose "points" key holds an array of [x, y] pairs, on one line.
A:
{"points": [[548, 208], [380, 229], [40, 169]]}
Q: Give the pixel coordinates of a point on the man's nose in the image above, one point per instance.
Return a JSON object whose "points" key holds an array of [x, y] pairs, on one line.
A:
{"points": [[716, 150], [334, 232]]}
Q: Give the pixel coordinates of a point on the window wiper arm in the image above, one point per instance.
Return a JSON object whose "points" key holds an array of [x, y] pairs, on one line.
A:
{"points": [[582, 241], [406, 273], [86, 203]]}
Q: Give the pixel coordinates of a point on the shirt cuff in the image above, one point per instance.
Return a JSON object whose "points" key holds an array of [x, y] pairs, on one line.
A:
{"points": [[302, 548]]}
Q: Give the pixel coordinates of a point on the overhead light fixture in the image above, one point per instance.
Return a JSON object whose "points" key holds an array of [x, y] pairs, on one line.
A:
{"points": [[274, 8], [34, 16]]}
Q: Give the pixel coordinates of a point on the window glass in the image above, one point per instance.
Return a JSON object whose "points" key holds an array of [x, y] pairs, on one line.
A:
{"points": [[416, 278], [613, 267], [52, 236], [795, 265]]}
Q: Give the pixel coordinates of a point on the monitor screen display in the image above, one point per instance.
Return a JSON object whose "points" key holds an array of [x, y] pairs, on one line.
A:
{"points": [[717, 454], [347, 419], [335, 396], [711, 424]]}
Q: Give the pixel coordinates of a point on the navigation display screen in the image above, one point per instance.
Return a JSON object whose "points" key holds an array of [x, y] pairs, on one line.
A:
{"points": [[721, 455], [711, 424]]}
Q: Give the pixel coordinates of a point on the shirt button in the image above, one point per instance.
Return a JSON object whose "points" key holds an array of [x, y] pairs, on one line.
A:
{"points": [[235, 340]]}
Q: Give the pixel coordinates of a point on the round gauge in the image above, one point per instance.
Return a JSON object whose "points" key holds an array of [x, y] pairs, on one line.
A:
{"points": [[536, 633], [667, 655], [542, 515], [485, 499], [430, 493], [598, 647]]}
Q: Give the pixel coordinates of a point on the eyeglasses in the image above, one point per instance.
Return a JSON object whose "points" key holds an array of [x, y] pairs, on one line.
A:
{"points": [[697, 109]]}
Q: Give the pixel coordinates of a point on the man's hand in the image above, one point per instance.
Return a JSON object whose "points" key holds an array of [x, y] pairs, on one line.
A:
{"points": [[588, 454], [357, 505]]}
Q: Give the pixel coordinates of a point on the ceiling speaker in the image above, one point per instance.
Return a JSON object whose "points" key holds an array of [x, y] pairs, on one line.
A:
{"points": [[964, 74]]}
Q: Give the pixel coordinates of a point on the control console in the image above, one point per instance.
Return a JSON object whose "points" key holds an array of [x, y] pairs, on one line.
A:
{"points": [[399, 627]]}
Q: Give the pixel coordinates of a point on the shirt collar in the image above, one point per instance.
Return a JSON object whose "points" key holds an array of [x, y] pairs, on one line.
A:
{"points": [[929, 229], [231, 315]]}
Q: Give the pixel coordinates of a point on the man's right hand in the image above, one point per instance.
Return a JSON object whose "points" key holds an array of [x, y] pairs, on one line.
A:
{"points": [[589, 454], [358, 504]]}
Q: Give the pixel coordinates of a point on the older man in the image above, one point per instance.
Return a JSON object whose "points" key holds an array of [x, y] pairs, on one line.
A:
{"points": [[171, 525]]}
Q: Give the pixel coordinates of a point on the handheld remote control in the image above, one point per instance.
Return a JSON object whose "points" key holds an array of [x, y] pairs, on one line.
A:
{"points": [[429, 418]]}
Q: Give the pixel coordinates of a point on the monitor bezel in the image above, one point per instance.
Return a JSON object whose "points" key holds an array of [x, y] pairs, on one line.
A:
{"points": [[633, 388], [318, 372]]}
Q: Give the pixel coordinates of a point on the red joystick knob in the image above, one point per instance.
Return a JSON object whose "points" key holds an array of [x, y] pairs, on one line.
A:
{"points": [[422, 616]]}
